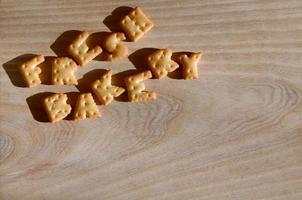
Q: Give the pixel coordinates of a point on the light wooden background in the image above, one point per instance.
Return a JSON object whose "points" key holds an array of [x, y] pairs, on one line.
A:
{"points": [[236, 133]]}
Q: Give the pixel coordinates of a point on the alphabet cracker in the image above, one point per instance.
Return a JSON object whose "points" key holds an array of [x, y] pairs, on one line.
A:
{"points": [[113, 45], [30, 71], [86, 107], [135, 87], [103, 89], [56, 107], [135, 24], [80, 51], [63, 70], [160, 63], [189, 64]]}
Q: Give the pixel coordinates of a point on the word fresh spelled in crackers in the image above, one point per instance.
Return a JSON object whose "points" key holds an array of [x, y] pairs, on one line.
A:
{"points": [[134, 26]]}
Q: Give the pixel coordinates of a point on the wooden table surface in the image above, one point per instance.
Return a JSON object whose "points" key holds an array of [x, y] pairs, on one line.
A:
{"points": [[235, 133]]}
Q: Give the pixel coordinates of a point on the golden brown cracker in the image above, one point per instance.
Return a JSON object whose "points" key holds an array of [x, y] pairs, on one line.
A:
{"points": [[31, 72], [160, 63], [135, 87], [81, 52], [189, 64], [103, 89], [135, 24], [86, 107], [114, 48], [56, 107], [63, 70]]}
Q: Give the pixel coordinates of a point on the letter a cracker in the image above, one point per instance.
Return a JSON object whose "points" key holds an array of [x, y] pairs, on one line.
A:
{"points": [[103, 89], [30, 71], [86, 107], [135, 87], [80, 51]]}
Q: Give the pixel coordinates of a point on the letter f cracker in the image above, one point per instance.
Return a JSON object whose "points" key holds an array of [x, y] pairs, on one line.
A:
{"points": [[30, 71]]}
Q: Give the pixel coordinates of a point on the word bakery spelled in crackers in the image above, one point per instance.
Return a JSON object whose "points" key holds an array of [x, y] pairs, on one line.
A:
{"points": [[63, 70]]}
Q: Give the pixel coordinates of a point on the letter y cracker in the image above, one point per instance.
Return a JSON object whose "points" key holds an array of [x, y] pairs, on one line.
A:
{"points": [[136, 24], [86, 107], [189, 64], [80, 51], [56, 107], [160, 63], [30, 70], [135, 87], [63, 71], [103, 89]]}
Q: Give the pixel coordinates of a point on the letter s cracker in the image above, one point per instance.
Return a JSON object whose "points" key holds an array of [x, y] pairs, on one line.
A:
{"points": [[135, 24], [114, 48], [189, 64], [103, 89], [86, 107], [80, 51], [63, 69], [160, 63], [135, 87], [30, 71], [56, 107]]}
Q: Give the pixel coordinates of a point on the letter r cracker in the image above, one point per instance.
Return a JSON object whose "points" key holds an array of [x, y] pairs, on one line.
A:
{"points": [[56, 107], [135, 87], [160, 63], [135, 24], [86, 107], [80, 51], [63, 69], [30, 71]]}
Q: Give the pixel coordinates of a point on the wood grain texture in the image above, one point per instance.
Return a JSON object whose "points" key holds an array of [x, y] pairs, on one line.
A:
{"points": [[235, 133]]}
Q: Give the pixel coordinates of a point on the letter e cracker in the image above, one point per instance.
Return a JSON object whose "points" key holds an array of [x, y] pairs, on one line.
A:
{"points": [[135, 87]]}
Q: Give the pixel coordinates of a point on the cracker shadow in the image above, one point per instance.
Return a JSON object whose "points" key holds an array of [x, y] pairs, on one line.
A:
{"points": [[46, 68], [36, 105], [112, 21], [85, 82], [138, 58], [97, 39], [12, 69], [177, 74]]}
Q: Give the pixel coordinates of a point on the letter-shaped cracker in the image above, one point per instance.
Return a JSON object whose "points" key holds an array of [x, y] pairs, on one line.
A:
{"points": [[189, 64], [63, 71], [30, 71], [56, 107], [160, 63], [86, 107], [103, 89], [115, 49], [80, 51], [135, 24], [135, 87]]}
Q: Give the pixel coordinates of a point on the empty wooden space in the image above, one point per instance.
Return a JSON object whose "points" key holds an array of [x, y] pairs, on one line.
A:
{"points": [[233, 134]]}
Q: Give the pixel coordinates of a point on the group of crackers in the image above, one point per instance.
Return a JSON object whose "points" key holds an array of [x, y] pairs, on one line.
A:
{"points": [[135, 24]]}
